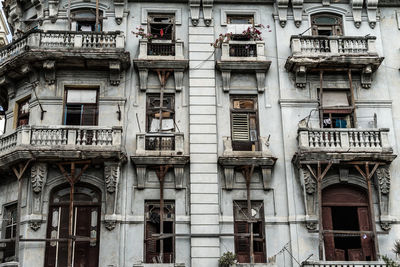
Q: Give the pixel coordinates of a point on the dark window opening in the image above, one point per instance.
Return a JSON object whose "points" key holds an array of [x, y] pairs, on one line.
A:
{"points": [[326, 24], [162, 27], [81, 107], [240, 19], [23, 112], [9, 227], [153, 223], [244, 222], [85, 20], [244, 123]]}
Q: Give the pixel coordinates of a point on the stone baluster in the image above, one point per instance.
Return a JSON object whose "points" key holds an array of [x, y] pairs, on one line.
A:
{"points": [[84, 137]]}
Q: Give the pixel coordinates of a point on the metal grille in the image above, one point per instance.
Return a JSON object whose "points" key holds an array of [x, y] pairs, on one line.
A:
{"points": [[242, 50], [160, 143], [160, 49]]}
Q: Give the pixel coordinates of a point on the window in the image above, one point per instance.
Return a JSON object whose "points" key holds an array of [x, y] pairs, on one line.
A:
{"points": [[326, 24], [80, 107], [240, 19], [85, 20], [160, 119], [154, 245], [9, 228], [162, 27], [337, 110], [249, 227], [346, 223], [23, 112], [244, 123]]}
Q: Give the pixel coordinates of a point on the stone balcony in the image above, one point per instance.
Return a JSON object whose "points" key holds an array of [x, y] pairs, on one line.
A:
{"points": [[155, 149], [343, 264], [54, 143], [242, 57], [313, 53], [158, 55], [50, 50], [261, 159], [344, 144]]}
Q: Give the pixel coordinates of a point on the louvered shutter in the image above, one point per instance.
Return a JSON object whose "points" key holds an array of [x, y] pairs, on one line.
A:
{"points": [[242, 244], [328, 238], [240, 127]]}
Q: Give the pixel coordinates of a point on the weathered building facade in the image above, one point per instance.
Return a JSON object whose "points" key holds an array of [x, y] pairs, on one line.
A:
{"points": [[131, 141]]}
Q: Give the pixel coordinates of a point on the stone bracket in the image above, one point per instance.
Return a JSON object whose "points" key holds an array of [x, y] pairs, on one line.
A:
{"points": [[297, 12], [282, 11], [301, 76], [143, 74], [115, 73], [229, 173], [372, 7], [226, 80], [49, 67], [141, 173], [260, 76], [111, 180], [366, 77], [119, 11], [266, 173], [53, 9], [179, 171], [38, 179], [178, 75], [357, 6], [194, 11], [207, 11], [309, 186]]}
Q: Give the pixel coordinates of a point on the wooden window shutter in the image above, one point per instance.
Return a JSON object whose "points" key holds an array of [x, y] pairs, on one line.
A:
{"points": [[242, 244], [151, 242], [366, 240], [328, 238], [240, 127]]}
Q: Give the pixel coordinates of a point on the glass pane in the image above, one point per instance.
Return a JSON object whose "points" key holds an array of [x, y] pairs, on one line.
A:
{"points": [[325, 20], [243, 104], [81, 96]]}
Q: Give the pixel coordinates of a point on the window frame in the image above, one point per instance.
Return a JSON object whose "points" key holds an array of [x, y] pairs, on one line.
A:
{"points": [[18, 105], [7, 207], [65, 110], [155, 110], [231, 16], [336, 29], [254, 113], [170, 16], [88, 10]]}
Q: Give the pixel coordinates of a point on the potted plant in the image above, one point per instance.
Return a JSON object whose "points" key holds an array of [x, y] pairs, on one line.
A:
{"points": [[251, 33], [227, 259]]}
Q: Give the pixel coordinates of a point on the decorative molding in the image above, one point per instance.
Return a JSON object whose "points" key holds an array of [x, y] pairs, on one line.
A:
{"points": [[226, 80], [372, 7], [179, 172], [309, 182], [111, 176], [119, 11], [383, 176], [49, 67], [282, 11], [207, 11], [194, 11], [110, 224], [266, 173], [366, 77], [38, 176], [141, 176], [226, 12], [357, 6], [260, 76], [229, 173], [53, 9], [115, 72], [178, 75], [161, 10], [35, 225], [311, 225], [297, 6], [301, 76]]}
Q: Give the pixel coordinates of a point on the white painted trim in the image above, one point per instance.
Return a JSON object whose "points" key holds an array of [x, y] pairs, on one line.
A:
{"points": [[161, 10], [240, 11]]}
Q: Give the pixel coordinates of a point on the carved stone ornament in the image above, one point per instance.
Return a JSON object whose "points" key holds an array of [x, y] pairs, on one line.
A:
{"points": [[386, 226], [38, 176], [383, 175], [297, 12], [110, 224], [111, 175], [194, 11], [357, 6], [311, 225], [119, 11], [309, 182], [282, 11], [207, 11], [372, 7], [35, 225]]}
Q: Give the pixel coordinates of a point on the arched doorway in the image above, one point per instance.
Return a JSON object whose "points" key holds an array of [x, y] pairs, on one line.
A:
{"points": [[86, 227], [347, 224]]}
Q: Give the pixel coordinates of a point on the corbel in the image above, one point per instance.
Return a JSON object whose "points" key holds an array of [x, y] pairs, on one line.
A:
{"points": [[39, 7], [39, 172], [366, 77], [143, 74], [14, 15], [111, 180], [119, 11], [266, 173], [297, 6], [357, 6], [194, 11], [179, 171], [301, 76], [226, 80], [49, 67], [141, 176], [207, 11], [229, 173], [7, 82], [282, 11], [372, 7], [260, 76], [326, 2], [382, 183], [53, 9], [178, 75], [309, 186], [115, 71]]}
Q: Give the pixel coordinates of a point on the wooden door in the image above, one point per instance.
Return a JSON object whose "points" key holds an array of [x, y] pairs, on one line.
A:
{"points": [[366, 239], [242, 243], [328, 238]]}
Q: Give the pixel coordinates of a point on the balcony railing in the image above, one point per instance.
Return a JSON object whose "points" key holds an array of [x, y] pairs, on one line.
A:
{"points": [[344, 140], [332, 45], [61, 137], [344, 264], [243, 50], [63, 39], [159, 143], [157, 50]]}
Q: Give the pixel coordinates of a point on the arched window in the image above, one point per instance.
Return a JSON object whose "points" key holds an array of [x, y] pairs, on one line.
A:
{"points": [[327, 24], [85, 227], [346, 220]]}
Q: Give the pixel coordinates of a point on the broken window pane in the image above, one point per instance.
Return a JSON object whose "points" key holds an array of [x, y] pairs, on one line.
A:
{"points": [[333, 99]]}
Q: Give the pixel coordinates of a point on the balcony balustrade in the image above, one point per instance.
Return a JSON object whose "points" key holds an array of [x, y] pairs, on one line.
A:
{"points": [[60, 141], [160, 50], [151, 144], [344, 140], [313, 53], [243, 51]]}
